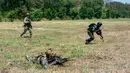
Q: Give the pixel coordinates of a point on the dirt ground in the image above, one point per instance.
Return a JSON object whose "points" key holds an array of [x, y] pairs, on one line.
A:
{"points": [[67, 37]]}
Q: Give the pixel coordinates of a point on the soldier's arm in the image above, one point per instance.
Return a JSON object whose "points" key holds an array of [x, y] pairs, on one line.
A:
{"points": [[99, 32], [101, 37], [29, 23]]}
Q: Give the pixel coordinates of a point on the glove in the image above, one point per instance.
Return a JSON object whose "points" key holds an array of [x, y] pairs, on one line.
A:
{"points": [[99, 32]]}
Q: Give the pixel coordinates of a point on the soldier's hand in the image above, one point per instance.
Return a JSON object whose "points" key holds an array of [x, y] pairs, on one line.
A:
{"points": [[99, 32], [102, 39]]}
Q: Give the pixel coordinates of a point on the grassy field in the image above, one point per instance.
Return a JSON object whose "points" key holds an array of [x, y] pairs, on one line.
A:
{"points": [[67, 38]]}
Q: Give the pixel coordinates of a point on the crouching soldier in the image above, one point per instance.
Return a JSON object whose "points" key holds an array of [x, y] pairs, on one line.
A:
{"points": [[47, 59], [27, 25], [94, 28]]}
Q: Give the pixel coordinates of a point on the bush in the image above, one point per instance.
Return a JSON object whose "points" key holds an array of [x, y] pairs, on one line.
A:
{"points": [[98, 13], [129, 14], [61, 13], [90, 13], [83, 12], [11, 15], [114, 14], [0, 17], [86, 13], [73, 13], [15, 14], [36, 14], [108, 14], [50, 13], [104, 13]]}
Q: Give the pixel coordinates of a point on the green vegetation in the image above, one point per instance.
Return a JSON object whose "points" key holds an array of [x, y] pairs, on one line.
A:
{"points": [[62, 9], [67, 38]]}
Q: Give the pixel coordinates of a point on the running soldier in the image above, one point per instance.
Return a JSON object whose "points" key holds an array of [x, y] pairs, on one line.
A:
{"points": [[94, 28], [27, 25]]}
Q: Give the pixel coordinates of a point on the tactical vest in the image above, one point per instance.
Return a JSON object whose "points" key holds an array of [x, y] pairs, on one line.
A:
{"points": [[92, 27]]}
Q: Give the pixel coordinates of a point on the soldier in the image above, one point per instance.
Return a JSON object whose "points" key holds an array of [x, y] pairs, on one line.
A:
{"points": [[94, 28], [27, 25], [47, 59]]}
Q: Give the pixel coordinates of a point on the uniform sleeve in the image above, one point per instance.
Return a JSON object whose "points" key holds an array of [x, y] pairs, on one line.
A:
{"points": [[27, 20], [99, 32], [94, 28]]}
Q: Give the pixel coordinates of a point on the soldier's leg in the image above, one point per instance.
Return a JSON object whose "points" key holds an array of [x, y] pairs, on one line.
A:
{"points": [[25, 30], [57, 60], [30, 31], [91, 35], [44, 62], [30, 59], [54, 60]]}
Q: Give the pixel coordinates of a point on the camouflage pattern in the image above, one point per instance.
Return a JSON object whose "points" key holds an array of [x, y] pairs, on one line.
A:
{"points": [[40, 59], [27, 25], [94, 28], [27, 28], [49, 58]]}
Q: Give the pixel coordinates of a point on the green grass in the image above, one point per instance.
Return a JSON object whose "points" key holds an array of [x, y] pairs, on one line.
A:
{"points": [[67, 38]]}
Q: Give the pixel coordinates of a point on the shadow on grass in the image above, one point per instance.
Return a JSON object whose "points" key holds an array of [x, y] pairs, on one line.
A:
{"points": [[90, 43], [26, 37]]}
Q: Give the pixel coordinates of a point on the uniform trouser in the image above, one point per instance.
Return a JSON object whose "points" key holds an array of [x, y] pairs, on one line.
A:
{"points": [[42, 60], [54, 59], [91, 35], [25, 30]]}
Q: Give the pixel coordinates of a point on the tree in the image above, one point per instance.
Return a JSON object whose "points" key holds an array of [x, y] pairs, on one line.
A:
{"points": [[61, 12], [36, 14], [118, 9], [90, 13], [11, 15], [50, 13], [73, 13], [83, 12]]}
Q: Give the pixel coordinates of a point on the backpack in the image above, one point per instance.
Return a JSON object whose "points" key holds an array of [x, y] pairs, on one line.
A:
{"points": [[91, 25]]}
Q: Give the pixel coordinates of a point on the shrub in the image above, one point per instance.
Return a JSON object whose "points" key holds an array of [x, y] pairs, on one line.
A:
{"points": [[73, 13], [11, 15], [98, 13], [0, 17], [36, 14], [50, 13], [83, 12], [61, 13], [90, 13]]}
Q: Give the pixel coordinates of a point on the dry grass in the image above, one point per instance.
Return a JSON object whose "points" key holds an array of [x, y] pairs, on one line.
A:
{"points": [[67, 37]]}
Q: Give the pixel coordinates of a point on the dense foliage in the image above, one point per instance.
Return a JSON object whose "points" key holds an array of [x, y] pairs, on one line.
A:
{"points": [[63, 9]]}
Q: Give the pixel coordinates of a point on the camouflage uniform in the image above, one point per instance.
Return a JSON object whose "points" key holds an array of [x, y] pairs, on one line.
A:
{"points": [[27, 25], [38, 59], [53, 58], [49, 58], [94, 28]]}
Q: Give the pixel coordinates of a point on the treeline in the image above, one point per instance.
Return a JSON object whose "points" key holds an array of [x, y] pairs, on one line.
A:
{"points": [[117, 9], [62, 9]]}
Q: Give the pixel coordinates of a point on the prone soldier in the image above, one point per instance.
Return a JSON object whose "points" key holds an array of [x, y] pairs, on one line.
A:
{"points": [[47, 59]]}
